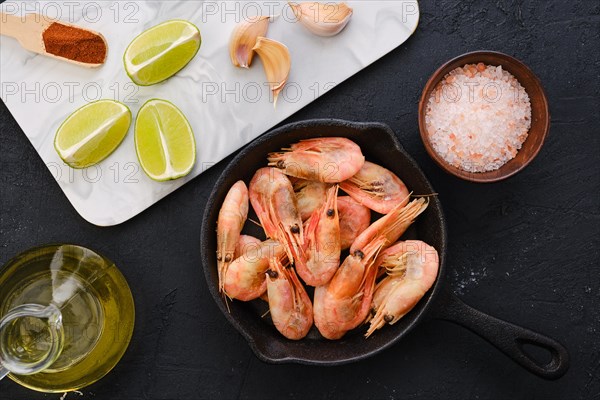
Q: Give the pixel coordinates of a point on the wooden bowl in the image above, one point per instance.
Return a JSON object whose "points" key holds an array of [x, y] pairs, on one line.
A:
{"points": [[540, 115]]}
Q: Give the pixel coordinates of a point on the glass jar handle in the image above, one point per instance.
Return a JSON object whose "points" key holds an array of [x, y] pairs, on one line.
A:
{"points": [[51, 313]]}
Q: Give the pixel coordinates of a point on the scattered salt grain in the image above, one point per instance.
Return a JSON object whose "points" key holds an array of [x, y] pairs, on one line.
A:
{"points": [[64, 396], [478, 117]]}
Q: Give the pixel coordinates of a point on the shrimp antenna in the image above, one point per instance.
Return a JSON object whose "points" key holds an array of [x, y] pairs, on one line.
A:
{"points": [[227, 299], [255, 223]]}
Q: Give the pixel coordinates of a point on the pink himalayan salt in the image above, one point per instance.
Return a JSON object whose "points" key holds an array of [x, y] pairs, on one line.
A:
{"points": [[478, 117]]}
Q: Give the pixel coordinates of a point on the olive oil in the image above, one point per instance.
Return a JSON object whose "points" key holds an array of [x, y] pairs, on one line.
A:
{"points": [[97, 314], [27, 340]]}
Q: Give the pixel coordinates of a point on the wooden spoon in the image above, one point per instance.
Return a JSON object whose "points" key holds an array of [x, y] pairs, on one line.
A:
{"points": [[28, 31]]}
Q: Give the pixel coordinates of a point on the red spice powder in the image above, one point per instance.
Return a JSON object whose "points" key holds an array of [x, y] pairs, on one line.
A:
{"points": [[74, 43]]}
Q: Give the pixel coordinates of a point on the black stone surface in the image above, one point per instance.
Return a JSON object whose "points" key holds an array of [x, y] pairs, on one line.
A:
{"points": [[525, 250]]}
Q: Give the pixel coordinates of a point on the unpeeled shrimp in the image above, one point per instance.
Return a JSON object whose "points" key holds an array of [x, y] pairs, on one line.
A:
{"points": [[377, 188], [344, 303], [354, 219], [322, 236], [412, 269], [310, 195], [289, 304], [387, 258], [272, 197], [245, 278], [330, 160], [230, 222]]}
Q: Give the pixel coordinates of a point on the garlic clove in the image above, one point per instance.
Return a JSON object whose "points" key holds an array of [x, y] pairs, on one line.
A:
{"points": [[243, 39], [323, 19], [277, 62]]}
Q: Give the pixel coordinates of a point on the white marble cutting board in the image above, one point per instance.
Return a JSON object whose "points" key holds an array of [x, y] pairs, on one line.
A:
{"points": [[227, 107]]}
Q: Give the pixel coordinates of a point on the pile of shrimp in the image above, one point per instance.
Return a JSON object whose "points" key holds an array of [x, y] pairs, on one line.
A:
{"points": [[308, 225]]}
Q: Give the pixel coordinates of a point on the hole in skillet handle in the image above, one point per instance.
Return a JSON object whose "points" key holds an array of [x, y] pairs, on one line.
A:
{"points": [[541, 355], [508, 338]]}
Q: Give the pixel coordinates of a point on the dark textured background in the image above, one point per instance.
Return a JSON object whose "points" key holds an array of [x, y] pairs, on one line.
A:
{"points": [[526, 250]]}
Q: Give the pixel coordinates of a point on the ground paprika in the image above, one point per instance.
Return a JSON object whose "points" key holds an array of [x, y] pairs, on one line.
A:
{"points": [[74, 43]]}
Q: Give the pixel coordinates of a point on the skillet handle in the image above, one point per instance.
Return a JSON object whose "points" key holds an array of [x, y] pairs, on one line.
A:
{"points": [[507, 337]]}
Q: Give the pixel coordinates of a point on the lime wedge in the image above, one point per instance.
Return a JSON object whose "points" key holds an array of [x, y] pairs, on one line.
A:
{"points": [[164, 141], [161, 51], [92, 133]]}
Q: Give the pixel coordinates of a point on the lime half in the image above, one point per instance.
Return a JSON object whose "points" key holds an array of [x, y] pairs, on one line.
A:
{"points": [[164, 141], [92, 133], [161, 51]]}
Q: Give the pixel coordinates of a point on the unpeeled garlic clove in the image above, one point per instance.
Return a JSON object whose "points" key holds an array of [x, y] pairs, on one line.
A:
{"points": [[243, 39], [323, 19], [277, 62]]}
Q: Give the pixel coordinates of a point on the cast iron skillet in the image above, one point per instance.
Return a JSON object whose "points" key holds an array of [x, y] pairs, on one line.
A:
{"points": [[379, 144]]}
